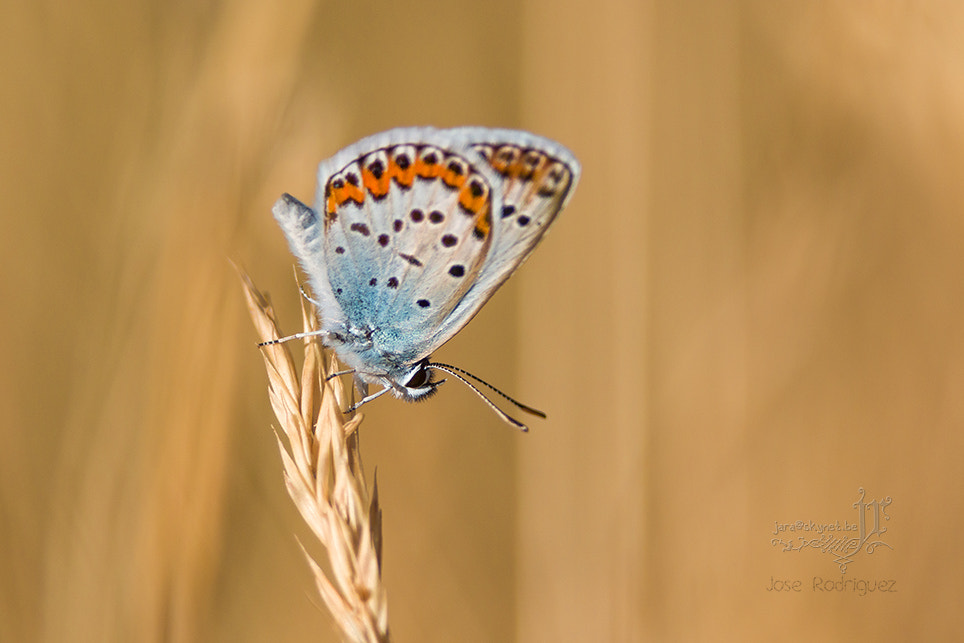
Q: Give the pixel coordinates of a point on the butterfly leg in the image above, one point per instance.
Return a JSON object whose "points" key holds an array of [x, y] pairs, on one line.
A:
{"points": [[361, 389], [308, 297], [367, 398]]}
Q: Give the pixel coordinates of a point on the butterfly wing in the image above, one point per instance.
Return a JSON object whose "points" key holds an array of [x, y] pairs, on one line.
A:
{"points": [[414, 230], [534, 179], [400, 233]]}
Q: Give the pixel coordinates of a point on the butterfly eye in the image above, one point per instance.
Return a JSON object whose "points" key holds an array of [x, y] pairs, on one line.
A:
{"points": [[419, 379]]}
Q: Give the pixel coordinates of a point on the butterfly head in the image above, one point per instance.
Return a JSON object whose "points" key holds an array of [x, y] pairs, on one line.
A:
{"points": [[417, 383]]}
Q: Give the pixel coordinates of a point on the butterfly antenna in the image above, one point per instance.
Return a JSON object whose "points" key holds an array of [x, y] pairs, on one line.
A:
{"points": [[508, 419], [458, 372], [528, 409]]}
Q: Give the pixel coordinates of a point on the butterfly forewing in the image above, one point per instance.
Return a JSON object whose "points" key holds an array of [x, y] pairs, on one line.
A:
{"points": [[407, 230]]}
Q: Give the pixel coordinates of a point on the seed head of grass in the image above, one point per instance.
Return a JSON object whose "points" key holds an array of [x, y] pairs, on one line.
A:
{"points": [[323, 473]]}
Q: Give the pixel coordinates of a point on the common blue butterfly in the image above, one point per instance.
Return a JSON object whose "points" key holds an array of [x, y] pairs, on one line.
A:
{"points": [[414, 229]]}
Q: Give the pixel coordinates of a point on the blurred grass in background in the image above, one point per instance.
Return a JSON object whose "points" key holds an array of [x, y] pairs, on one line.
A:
{"points": [[752, 308]]}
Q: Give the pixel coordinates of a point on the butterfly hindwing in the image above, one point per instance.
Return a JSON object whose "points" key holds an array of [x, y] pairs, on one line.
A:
{"points": [[534, 178]]}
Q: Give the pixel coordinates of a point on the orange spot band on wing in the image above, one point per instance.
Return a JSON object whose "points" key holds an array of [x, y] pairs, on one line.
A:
{"points": [[453, 176], [483, 223], [504, 158], [350, 192], [403, 176], [377, 186], [473, 197], [331, 202], [426, 169], [534, 165], [340, 192]]}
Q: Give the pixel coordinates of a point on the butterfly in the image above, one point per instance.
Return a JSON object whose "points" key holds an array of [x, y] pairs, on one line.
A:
{"points": [[414, 229]]}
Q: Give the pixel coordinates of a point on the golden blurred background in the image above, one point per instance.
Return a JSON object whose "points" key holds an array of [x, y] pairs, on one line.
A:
{"points": [[752, 308]]}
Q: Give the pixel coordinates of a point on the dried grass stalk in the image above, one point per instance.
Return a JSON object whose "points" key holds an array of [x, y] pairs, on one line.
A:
{"points": [[324, 475]]}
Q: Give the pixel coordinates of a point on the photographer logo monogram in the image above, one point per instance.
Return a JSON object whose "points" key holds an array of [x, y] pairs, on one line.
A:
{"points": [[845, 541]]}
